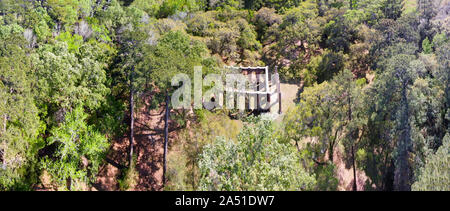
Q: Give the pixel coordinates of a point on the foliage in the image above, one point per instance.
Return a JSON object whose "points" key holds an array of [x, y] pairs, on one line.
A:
{"points": [[426, 46], [374, 77], [80, 151], [20, 125], [232, 38], [326, 177], [434, 175], [323, 67], [297, 38], [183, 162], [255, 162], [171, 7], [65, 79]]}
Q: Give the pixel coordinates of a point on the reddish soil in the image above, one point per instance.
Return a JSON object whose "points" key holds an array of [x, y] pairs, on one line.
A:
{"points": [[149, 148]]}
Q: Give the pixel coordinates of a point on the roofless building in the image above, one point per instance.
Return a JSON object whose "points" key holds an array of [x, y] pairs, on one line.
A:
{"points": [[263, 93]]}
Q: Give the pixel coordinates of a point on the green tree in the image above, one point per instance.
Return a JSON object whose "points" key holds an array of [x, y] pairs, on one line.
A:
{"points": [[227, 34], [256, 161], [171, 7], [129, 73], [327, 114], [65, 12], [279, 5], [392, 8], [66, 79], [434, 175], [80, 151], [175, 53], [390, 123], [225, 4], [320, 115], [19, 120], [426, 46], [295, 39]]}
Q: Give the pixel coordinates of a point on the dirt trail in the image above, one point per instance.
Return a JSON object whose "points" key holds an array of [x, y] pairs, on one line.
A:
{"points": [[149, 148]]}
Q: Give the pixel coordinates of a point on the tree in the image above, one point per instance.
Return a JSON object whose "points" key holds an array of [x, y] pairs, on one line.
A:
{"points": [[19, 120], [390, 123], [65, 12], [66, 79], [392, 9], [175, 53], [227, 34], [340, 33], [265, 18], [295, 39], [80, 151], [331, 64], [183, 171], [129, 73], [328, 113], [443, 76], [279, 5], [170, 7], [427, 10], [352, 96], [320, 115], [403, 171], [257, 161], [426, 46], [221, 4], [393, 37], [434, 175], [151, 7]]}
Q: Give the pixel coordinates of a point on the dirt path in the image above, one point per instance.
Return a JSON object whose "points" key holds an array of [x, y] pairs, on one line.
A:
{"points": [[149, 148]]}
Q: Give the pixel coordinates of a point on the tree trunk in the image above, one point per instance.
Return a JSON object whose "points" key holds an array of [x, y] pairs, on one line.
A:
{"points": [[353, 137], [166, 138], [296, 144], [130, 158], [69, 183], [330, 153], [355, 188], [403, 172], [331, 146]]}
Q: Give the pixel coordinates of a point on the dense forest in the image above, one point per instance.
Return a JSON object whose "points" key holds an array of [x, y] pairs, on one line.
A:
{"points": [[84, 89]]}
